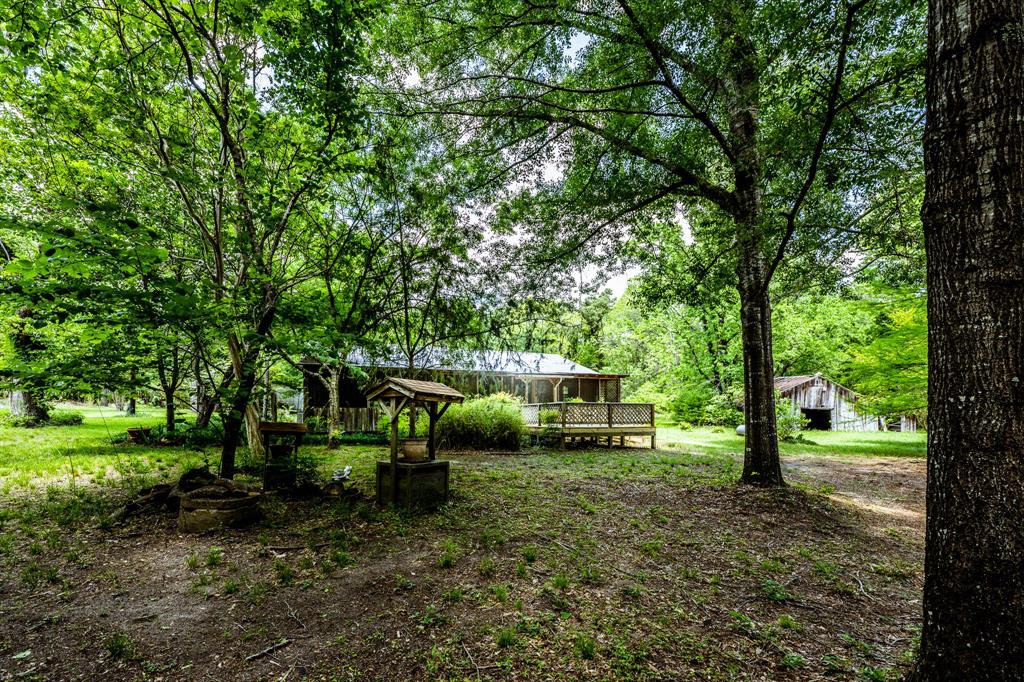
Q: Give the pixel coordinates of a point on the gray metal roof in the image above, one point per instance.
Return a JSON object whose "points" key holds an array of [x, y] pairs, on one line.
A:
{"points": [[786, 384], [511, 362]]}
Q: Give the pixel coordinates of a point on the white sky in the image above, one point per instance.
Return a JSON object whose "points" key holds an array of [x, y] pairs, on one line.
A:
{"points": [[618, 283]]}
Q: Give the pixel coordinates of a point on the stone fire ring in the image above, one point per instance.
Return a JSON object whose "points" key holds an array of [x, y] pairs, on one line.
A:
{"points": [[214, 506]]}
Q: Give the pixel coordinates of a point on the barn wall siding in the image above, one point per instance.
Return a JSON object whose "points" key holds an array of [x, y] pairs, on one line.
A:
{"points": [[822, 394]]}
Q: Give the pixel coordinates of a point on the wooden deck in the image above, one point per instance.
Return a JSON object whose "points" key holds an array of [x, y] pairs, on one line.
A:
{"points": [[572, 421]]}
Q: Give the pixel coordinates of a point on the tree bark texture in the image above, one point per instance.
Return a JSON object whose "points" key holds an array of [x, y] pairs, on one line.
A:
{"points": [[169, 409], [244, 366], [30, 405], [974, 235], [330, 376], [170, 378], [234, 418], [131, 403], [252, 433], [761, 465]]}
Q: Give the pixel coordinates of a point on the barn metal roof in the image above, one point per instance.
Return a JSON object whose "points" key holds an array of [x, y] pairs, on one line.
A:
{"points": [[438, 358], [786, 384]]}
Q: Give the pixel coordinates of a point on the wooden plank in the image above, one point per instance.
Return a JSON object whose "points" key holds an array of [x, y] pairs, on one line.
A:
{"points": [[432, 417], [395, 409]]}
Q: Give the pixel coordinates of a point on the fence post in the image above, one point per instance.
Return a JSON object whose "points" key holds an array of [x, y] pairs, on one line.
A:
{"points": [[610, 423]]}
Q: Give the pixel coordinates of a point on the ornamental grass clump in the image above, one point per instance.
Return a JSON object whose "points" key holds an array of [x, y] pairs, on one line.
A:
{"points": [[493, 422]]}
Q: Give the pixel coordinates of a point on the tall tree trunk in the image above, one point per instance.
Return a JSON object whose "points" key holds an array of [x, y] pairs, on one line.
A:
{"points": [[761, 452], [207, 406], [244, 366], [169, 409], [333, 383], [254, 439], [234, 417], [239, 413], [761, 465], [131, 406], [205, 399], [974, 235], [168, 383], [30, 404], [25, 404]]}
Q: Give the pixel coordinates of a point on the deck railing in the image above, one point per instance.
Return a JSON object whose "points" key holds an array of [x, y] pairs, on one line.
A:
{"points": [[589, 414]]}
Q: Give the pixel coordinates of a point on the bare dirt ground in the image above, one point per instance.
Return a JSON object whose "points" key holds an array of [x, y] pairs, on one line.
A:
{"points": [[890, 486], [563, 566]]}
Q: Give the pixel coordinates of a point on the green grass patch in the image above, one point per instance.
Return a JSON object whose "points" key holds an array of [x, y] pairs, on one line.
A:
{"points": [[712, 440]]}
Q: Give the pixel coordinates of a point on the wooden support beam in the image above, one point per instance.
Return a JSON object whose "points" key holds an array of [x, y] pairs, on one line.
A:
{"points": [[432, 423], [395, 409], [555, 384]]}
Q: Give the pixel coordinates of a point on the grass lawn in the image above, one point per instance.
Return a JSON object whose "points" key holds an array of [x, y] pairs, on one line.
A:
{"points": [[823, 443], [33, 458], [564, 565]]}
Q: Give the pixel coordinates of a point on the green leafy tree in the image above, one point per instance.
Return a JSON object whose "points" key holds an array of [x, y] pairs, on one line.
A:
{"points": [[768, 122], [892, 370], [820, 333], [243, 113]]}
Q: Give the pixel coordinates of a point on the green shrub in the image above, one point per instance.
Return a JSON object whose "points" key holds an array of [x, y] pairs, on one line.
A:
{"points": [[56, 418], [17, 421], [688, 405], [721, 410], [507, 637], [317, 425], [549, 417], [212, 434], [652, 392], [493, 422], [121, 647], [585, 646], [65, 418], [371, 438], [788, 422], [188, 435]]}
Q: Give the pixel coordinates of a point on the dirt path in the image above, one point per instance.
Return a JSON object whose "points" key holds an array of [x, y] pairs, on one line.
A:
{"points": [[889, 486]]}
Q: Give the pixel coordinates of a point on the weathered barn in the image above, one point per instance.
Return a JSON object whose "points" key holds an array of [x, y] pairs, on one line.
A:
{"points": [[536, 377], [831, 407]]}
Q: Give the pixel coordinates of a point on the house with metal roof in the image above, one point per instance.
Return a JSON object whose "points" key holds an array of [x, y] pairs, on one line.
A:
{"points": [[535, 377]]}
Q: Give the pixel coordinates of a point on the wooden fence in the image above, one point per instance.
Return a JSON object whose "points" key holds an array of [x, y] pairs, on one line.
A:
{"points": [[353, 419]]}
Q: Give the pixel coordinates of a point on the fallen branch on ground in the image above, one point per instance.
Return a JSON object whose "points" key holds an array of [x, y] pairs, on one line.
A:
{"points": [[280, 644]]}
